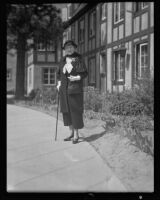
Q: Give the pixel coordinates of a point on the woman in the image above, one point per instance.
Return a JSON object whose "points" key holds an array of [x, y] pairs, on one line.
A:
{"points": [[71, 72]]}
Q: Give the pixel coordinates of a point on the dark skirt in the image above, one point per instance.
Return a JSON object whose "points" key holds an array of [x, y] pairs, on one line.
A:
{"points": [[75, 115]]}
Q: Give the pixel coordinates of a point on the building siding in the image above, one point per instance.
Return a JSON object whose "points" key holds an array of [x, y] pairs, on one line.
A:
{"points": [[133, 29], [144, 21], [128, 69], [109, 22], [109, 69], [152, 54], [152, 14], [128, 19]]}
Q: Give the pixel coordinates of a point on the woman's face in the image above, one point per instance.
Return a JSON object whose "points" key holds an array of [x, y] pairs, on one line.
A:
{"points": [[69, 49]]}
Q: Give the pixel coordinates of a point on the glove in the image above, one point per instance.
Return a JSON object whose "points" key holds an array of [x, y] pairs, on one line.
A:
{"points": [[74, 78], [58, 86]]}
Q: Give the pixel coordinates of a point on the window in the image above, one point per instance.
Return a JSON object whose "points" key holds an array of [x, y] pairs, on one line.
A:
{"points": [[102, 63], [103, 11], [9, 74], [81, 36], [119, 8], [92, 31], [69, 11], [103, 33], [103, 72], [49, 76], [41, 46], [75, 6], [81, 31], [92, 23], [69, 33], [41, 57], [144, 4], [73, 32], [138, 6], [119, 66], [141, 60], [30, 76], [50, 46], [92, 71]]}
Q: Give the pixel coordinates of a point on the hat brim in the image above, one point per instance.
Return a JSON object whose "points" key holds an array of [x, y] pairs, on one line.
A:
{"points": [[69, 44]]}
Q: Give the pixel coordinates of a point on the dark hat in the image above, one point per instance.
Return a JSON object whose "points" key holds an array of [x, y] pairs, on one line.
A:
{"points": [[69, 42]]}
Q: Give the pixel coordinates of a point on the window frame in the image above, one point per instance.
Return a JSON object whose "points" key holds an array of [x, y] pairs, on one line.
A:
{"points": [[30, 75], [144, 6], [92, 13], [73, 32], [69, 14], [119, 12], [48, 78], [10, 74], [138, 67], [89, 74], [104, 42], [117, 68], [103, 11], [79, 32]]}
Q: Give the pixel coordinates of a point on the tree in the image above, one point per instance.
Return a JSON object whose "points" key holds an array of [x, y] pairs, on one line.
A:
{"points": [[30, 22]]}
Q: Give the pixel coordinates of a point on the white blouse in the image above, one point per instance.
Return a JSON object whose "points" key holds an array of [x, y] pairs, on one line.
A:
{"points": [[68, 66]]}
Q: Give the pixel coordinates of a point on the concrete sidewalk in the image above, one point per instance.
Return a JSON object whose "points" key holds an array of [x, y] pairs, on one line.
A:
{"points": [[37, 163]]}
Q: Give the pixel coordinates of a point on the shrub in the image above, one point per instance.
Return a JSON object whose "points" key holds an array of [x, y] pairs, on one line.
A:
{"points": [[32, 94], [49, 96], [92, 99]]}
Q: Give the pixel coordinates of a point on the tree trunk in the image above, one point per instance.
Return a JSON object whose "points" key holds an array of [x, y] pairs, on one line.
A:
{"points": [[20, 70]]}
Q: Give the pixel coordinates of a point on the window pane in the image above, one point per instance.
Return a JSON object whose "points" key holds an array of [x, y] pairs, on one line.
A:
{"points": [[45, 71], [121, 67], [144, 60], [41, 57], [92, 23], [103, 33], [8, 74], [45, 81], [52, 71], [45, 76], [52, 81], [116, 12], [122, 5], [102, 63], [103, 11], [144, 4], [92, 75]]}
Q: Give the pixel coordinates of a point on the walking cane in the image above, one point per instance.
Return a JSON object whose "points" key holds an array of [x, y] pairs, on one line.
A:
{"points": [[57, 117]]}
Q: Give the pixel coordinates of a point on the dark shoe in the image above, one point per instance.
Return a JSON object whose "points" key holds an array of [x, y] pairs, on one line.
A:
{"points": [[68, 138], [75, 141]]}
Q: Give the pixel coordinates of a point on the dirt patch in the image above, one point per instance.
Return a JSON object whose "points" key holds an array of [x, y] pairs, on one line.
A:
{"points": [[133, 167]]}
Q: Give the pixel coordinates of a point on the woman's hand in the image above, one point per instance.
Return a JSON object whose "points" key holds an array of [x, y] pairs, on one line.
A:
{"points": [[74, 78]]}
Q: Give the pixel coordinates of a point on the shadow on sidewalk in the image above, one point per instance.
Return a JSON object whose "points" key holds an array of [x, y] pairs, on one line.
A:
{"points": [[94, 137]]}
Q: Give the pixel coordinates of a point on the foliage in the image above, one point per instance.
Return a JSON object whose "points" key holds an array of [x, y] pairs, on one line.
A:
{"points": [[92, 99], [132, 128], [130, 111], [34, 21], [43, 97], [136, 101], [28, 25]]}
